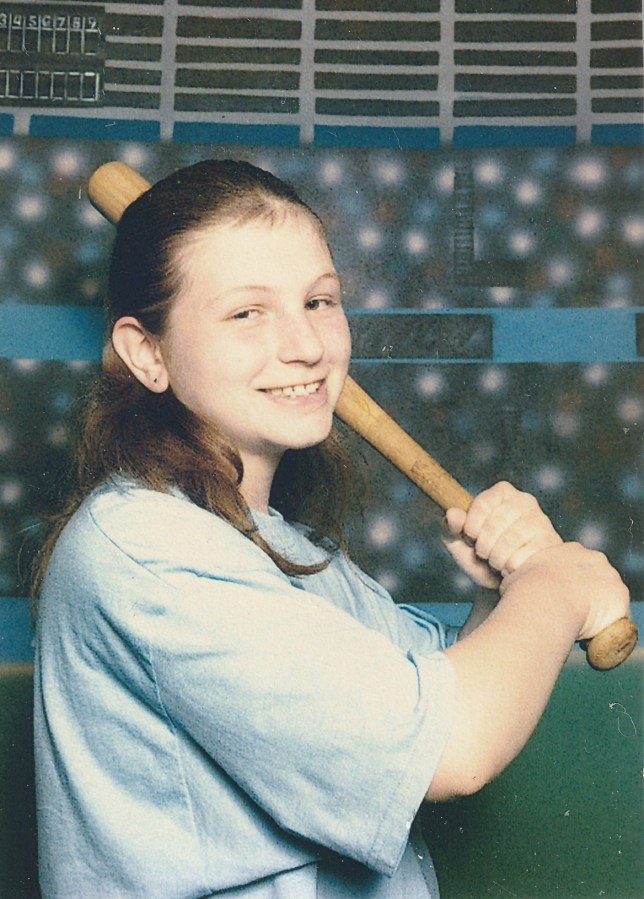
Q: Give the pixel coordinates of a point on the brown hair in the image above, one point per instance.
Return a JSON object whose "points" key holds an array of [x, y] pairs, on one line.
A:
{"points": [[152, 438]]}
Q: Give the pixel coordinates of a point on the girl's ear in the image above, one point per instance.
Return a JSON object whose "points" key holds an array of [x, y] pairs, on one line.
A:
{"points": [[141, 352]]}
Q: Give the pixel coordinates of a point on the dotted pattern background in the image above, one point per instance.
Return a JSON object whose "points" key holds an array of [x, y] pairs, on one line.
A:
{"points": [[570, 433]]}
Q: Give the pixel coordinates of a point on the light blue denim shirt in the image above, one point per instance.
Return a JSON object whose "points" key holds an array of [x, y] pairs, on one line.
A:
{"points": [[207, 726]]}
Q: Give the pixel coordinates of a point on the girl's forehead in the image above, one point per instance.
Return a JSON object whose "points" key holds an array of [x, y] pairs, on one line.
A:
{"points": [[285, 224]]}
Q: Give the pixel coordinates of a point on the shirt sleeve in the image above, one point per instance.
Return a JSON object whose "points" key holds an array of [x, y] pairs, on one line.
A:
{"points": [[332, 729]]}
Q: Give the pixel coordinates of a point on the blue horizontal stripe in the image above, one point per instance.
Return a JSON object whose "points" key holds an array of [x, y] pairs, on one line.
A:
{"points": [[93, 129], [564, 335], [371, 136], [617, 134], [519, 335], [514, 136], [217, 133], [50, 332]]}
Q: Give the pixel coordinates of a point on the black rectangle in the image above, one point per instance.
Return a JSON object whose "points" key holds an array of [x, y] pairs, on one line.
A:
{"points": [[388, 31], [509, 84], [514, 32], [260, 29], [519, 7], [238, 79], [514, 108], [227, 55], [408, 6], [616, 58], [333, 56], [132, 99], [409, 336], [617, 104], [234, 103], [122, 25], [616, 82], [615, 6], [343, 81], [364, 107], [639, 333], [532, 58], [620, 30], [136, 51], [115, 75], [253, 4]]}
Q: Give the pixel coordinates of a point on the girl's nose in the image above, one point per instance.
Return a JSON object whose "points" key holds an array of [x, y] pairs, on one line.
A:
{"points": [[298, 339]]}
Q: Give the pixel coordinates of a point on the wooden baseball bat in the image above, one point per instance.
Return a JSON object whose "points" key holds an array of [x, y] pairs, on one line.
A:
{"points": [[115, 185]]}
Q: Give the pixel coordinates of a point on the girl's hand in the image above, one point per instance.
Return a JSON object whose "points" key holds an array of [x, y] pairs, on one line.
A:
{"points": [[502, 529]]}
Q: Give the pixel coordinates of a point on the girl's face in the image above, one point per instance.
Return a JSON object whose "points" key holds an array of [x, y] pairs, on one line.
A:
{"points": [[258, 342]]}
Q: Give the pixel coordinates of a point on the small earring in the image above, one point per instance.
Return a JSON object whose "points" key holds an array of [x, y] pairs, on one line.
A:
{"points": [[155, 380]]}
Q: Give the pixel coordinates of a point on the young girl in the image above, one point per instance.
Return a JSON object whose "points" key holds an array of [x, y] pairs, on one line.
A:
{"points": [[225, 704]]}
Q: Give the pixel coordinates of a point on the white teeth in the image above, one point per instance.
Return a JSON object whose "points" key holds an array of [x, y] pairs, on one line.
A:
{"points": [[296, 390]]}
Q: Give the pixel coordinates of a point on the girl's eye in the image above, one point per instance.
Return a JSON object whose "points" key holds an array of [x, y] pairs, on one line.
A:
{"points": [[320, 303], [245, 314]]}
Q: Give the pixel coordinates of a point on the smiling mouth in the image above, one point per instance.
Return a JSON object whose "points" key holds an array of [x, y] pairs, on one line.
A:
{"points": [[295, 390]]}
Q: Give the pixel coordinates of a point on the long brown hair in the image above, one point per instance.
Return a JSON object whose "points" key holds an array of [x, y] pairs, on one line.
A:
{"points": [[154, 439]]}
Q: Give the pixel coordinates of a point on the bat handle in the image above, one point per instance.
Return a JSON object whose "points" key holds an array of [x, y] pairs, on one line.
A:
{"points": [[606, 650]]}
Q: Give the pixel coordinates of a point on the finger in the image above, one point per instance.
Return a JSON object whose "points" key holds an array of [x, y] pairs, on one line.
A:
{"points": [[527, 535], [485, 505], [452, 524]]}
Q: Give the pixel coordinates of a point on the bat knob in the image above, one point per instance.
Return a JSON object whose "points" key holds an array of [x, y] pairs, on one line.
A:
{"points": [[611, 646]]}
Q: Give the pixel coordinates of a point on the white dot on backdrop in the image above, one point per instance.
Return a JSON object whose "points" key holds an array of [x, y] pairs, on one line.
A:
{"points": [[492, 379], [332, 171], [30, 209], [589, 223], [7, 158], [521, 242], [90, 216], [430, 384], [596, 374], [389, 580], [10, 492], [617, 302], [501, 295], [444, 179], [549, 477], [416, 243], [592, 535], [588, 172], [376, 299], [560, 271], [566, 424], [432, 301], [58, 436], [26, 366], [37, 274], [528, 192], [382, 531], [488, 171], [390, 172], [67, 163], [369, 238], [633, 229], [135, 155], [6, 439], [630, 409]]}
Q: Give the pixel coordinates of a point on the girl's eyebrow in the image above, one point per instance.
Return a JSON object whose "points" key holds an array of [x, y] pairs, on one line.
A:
{"points": [[264, 288]]}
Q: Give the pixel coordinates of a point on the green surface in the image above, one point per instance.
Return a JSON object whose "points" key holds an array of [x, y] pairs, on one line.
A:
{"points": [[565, 821]]}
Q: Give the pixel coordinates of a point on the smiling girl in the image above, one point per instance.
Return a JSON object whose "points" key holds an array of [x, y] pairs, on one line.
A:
{"points": [[225, 704]]}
